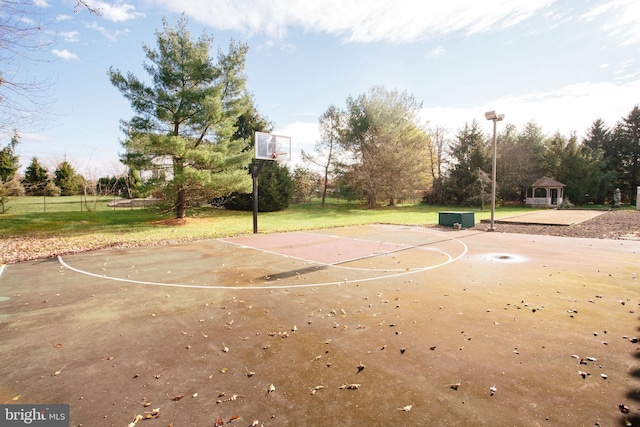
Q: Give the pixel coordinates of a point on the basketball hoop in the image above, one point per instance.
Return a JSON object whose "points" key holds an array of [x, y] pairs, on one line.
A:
{"points": [[272, 147], [268, 147], [280, 156]]}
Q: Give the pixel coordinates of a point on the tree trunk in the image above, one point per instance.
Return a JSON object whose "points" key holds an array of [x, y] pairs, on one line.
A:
{"points": [[181, 190], [324, 190], [181, 202]]}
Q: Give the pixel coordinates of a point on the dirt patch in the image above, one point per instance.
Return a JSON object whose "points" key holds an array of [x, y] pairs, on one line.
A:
{"points": [[171, 222], [614, 224]]}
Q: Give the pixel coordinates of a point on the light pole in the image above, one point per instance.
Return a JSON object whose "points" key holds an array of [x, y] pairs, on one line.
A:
{"points": [[491, 115]]}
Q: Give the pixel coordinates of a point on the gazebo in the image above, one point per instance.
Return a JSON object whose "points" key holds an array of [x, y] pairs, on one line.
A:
{"points": [[546, 193]]}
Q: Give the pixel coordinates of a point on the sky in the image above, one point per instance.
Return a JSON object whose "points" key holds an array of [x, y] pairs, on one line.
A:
{"points": [[562, 64]]}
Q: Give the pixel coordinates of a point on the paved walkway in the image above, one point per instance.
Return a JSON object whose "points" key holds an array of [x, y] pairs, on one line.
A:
{"points": [[551, 217]]}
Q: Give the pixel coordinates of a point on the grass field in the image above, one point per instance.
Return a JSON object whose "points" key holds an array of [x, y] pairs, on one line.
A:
{"points": [[27, 218], [33, 235], [39, 204]]}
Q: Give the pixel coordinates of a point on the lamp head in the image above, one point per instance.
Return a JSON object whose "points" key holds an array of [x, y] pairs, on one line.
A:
{"points": [[491, 115]]}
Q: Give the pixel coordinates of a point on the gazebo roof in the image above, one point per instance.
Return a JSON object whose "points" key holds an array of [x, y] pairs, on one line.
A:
{"points": [[547, 182]]}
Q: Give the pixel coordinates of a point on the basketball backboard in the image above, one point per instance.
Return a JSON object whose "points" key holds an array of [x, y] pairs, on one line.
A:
{"points": [[272, 147]]}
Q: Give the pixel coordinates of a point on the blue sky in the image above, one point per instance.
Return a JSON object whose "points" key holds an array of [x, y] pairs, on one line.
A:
{"points": [[562, 64]]}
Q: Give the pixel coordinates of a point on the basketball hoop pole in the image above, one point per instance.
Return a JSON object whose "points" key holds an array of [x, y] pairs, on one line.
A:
{"points": [[254, 175]]}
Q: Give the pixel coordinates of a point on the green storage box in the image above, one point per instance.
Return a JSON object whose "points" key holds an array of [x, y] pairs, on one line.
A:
{"points": [[449, 219]]}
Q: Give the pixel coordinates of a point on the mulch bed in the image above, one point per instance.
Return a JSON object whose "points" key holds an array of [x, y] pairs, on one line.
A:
{"points": [[614, 224]]}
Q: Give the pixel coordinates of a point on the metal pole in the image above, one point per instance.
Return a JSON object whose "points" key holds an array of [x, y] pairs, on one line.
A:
{"points": [[254, 175], [493, 177], [255, 201]]}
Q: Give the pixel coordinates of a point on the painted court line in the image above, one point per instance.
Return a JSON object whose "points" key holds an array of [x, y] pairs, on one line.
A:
{"points": [[268, 287], [337, 263]]}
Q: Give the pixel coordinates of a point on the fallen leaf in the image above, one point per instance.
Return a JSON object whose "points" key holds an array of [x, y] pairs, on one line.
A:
{"points": [[178, 397], [271, 389], [56, 373], [315, 389], [59, 345], [234, 418], [135, 420], [230, 399], [406, 408], [155, 413], [350, 386]]}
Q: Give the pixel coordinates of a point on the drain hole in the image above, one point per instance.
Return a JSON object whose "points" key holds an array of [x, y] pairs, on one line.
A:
{"points": [[504, 257]]}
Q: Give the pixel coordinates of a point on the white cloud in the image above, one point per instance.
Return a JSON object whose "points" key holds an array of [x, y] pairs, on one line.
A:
{"points": [[61, 18], [621, 20], [304, 136], [41, 3], [436, 52], [572, 108], [70, 36], [359, 20], [64, 54], [112, 36], [118, 12]]}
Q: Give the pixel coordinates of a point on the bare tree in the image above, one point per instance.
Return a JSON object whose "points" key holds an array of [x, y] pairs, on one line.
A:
{"points": [[436, 152], [325, 150], [81, 4], [23, 96]]}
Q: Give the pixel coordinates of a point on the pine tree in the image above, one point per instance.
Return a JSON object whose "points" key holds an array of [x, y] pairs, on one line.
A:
{"points": [[185, 120], [65, 178], [9, 161], [35, 179]]}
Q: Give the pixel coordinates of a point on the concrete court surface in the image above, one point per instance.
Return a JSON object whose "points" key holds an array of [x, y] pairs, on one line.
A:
{"points": [[373, 325]]}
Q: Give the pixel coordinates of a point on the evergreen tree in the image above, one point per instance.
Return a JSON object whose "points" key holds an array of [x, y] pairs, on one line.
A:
{"points": [[577, 167], [9, 161], [35, 179], [626, 137], [598, 145], [185, 120], [469, 152], [66, 179]]}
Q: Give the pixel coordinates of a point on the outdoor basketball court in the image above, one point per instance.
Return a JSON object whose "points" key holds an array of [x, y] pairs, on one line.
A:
{"points": [[368, 325]]}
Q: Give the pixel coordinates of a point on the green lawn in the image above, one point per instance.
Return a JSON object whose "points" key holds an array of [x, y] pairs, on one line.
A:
{"points": [[61, 219], [40, 204], [27, 233]]}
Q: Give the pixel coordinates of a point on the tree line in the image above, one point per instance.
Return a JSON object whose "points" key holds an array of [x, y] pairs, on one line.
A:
{"points": [[377, 149], [190, 141]]}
